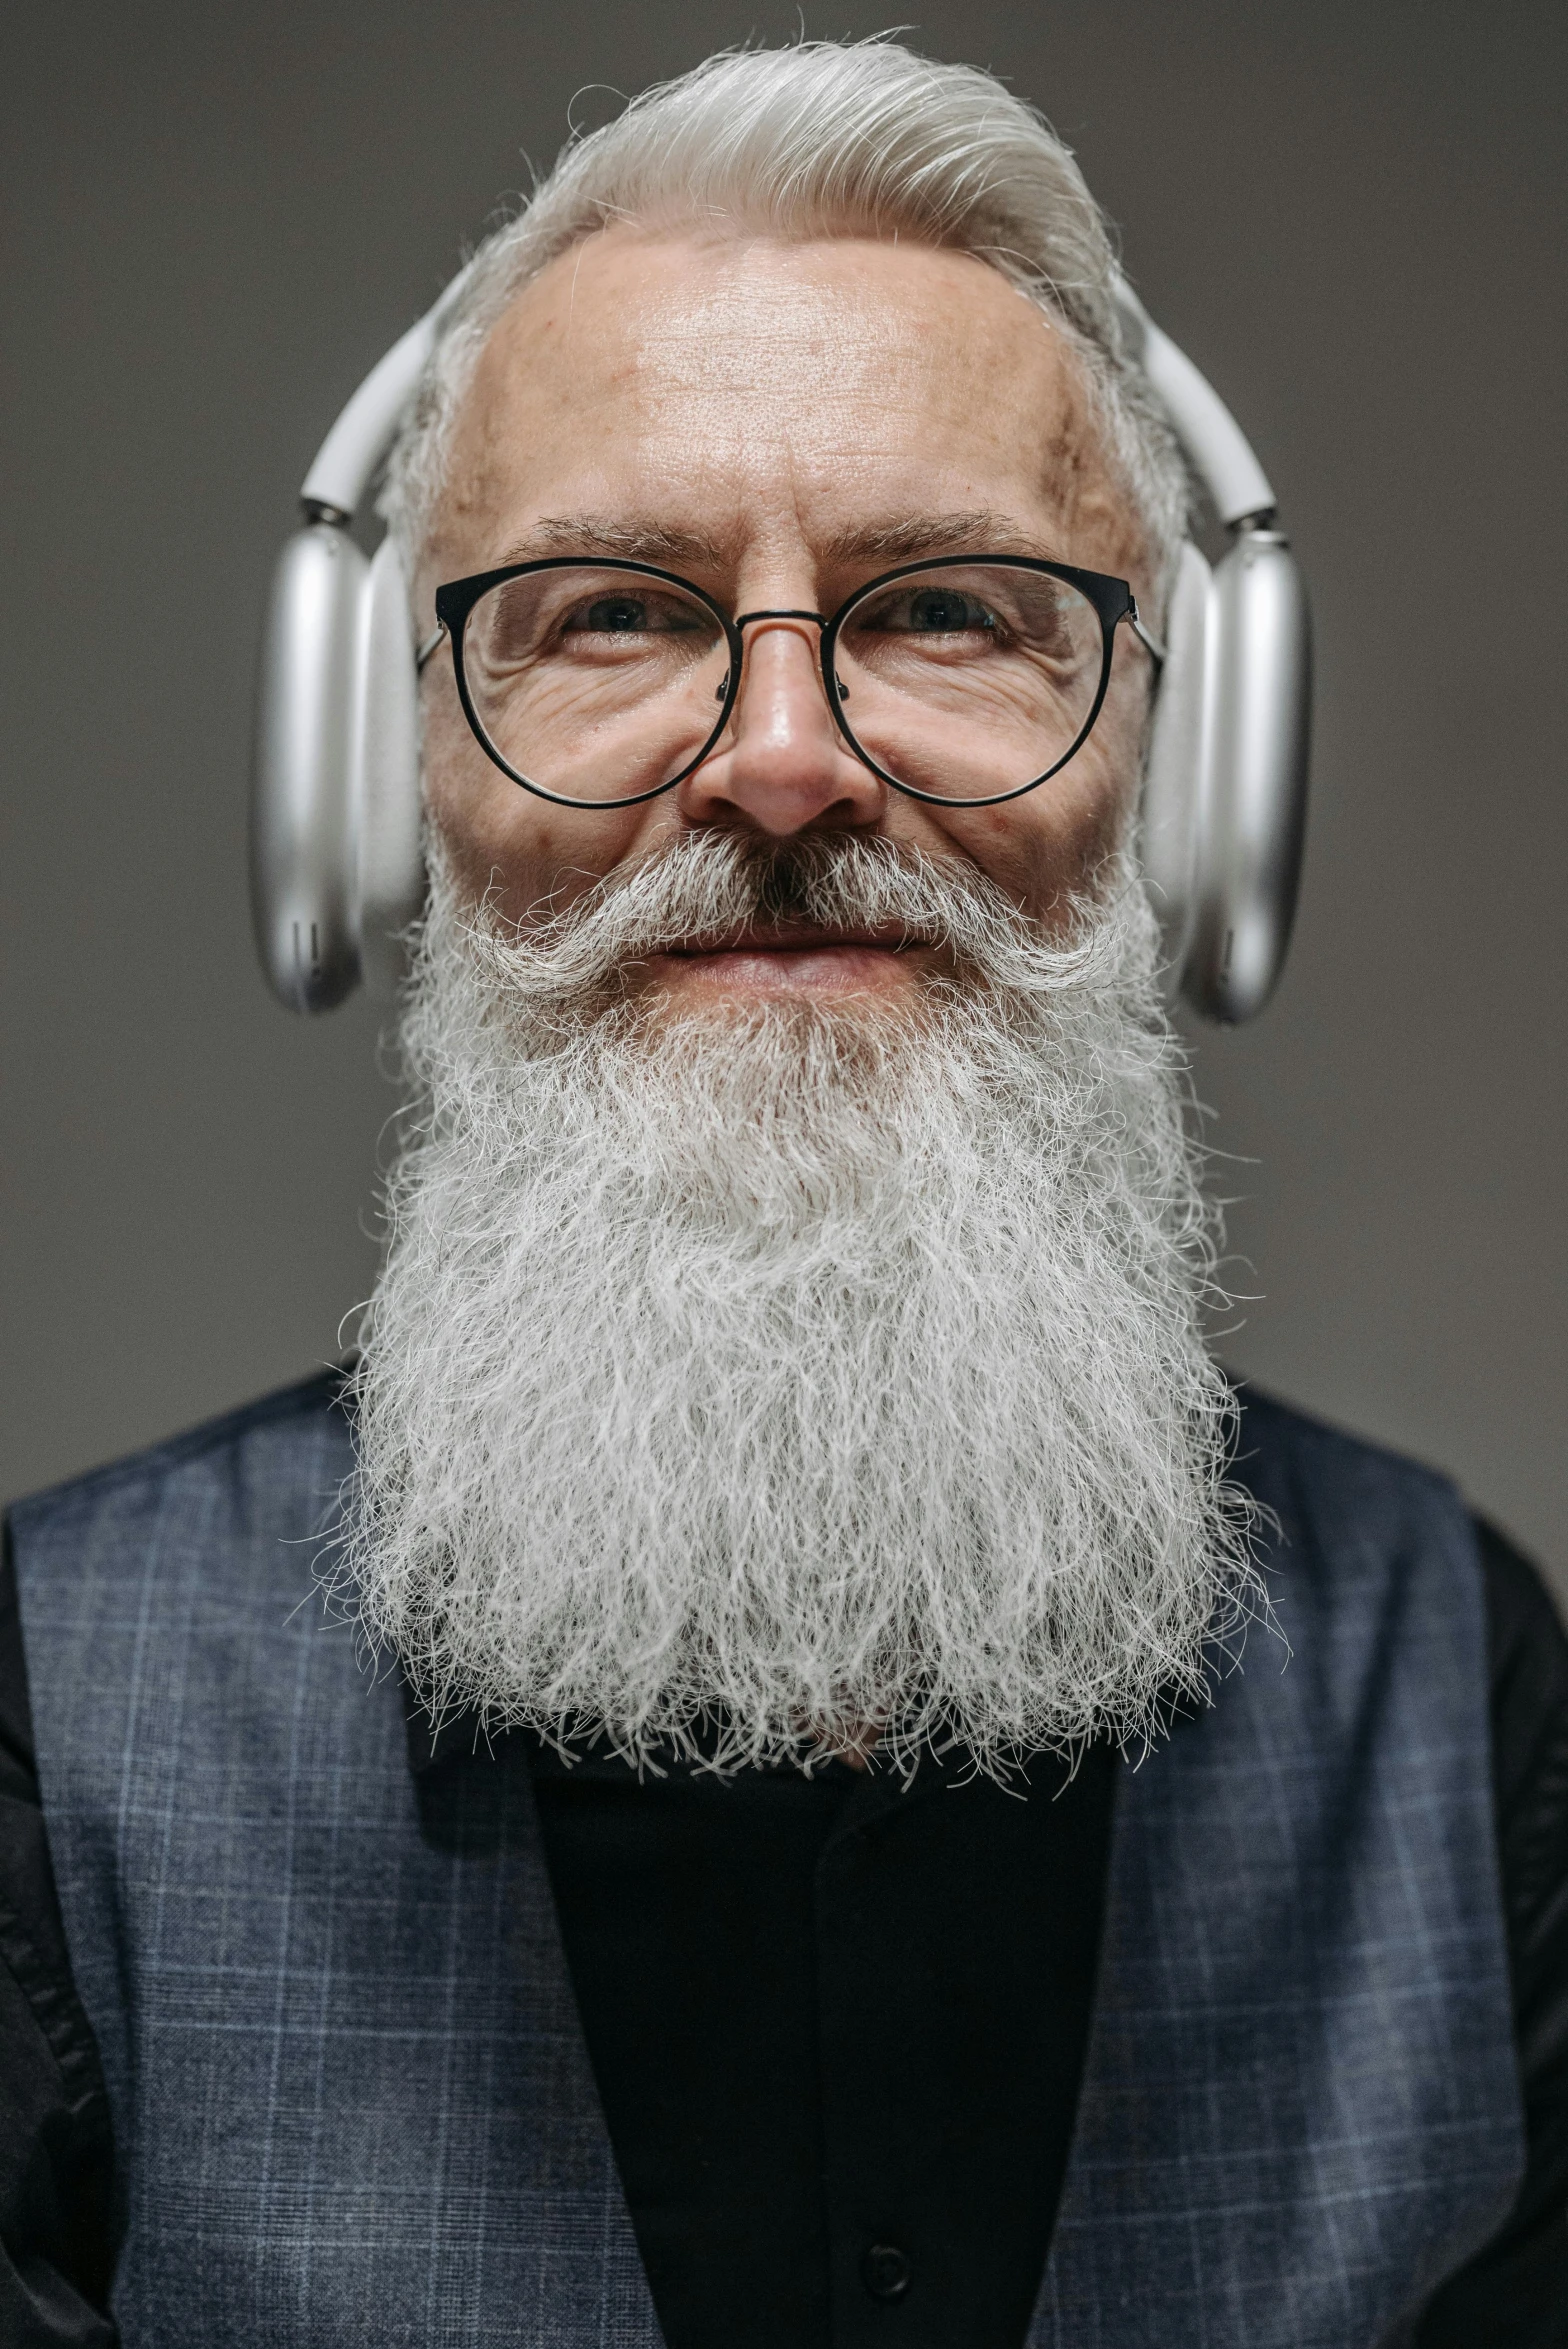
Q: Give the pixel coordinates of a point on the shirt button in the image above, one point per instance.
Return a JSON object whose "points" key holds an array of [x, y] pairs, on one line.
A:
{"points": [[885, 2272]]}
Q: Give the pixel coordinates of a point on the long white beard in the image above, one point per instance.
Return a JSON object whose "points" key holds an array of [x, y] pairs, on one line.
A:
{"points": [[802, 1370]]}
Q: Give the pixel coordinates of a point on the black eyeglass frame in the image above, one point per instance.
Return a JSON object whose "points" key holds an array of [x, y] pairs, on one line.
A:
{"points": [[1112, 601]]}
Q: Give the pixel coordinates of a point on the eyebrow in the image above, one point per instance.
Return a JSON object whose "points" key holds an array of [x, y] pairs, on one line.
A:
{"points": [[626, 542], [976, 530]]}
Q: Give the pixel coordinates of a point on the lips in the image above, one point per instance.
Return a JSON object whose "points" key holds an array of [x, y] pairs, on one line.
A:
{"points": [[796, 938]]}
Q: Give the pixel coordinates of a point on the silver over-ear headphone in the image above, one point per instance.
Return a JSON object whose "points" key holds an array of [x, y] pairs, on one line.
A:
{"points": [[336, 867], [1225, 780]]}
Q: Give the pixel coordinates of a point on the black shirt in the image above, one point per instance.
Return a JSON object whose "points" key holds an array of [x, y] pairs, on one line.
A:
{"points": [[838, 2030]]}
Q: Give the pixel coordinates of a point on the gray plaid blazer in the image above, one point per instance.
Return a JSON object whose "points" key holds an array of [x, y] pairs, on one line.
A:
{"points": [[351, 2096]]}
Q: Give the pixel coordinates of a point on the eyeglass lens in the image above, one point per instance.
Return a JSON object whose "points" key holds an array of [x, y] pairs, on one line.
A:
{"points": [[969, 683], [595, 685], [963, 683]]}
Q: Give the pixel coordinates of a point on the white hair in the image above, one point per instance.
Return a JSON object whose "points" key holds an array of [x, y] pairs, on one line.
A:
{"points": [[826, 138], [805, 1369]]}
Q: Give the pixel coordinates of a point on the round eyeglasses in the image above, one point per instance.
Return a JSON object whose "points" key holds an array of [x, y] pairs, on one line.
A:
{"points": [[966, 681]]}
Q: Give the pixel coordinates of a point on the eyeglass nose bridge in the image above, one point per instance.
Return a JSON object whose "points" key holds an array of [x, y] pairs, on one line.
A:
{"points": [[745, 619]]}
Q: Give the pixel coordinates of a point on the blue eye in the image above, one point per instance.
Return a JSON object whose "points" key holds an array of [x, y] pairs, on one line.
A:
{"points": [[623, 614], [613, 615], [934, 610], [945, 611]]}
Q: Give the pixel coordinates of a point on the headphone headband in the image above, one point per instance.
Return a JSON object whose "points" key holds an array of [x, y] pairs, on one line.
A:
{"points": [[1217, 449], [348, 459]]}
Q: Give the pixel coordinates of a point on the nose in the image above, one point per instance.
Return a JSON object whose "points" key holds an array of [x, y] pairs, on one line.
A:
{"points": [[781, 764]]}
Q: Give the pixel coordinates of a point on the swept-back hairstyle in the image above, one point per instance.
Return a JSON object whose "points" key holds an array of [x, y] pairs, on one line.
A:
{"points": [[826, 138]]}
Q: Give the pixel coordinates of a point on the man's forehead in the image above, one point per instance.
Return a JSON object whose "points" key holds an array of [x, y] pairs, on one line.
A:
{"points": [[689, 385], [735, 312]]}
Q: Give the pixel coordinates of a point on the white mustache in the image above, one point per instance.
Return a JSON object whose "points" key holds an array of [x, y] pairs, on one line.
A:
{"points": [[717, 885]]}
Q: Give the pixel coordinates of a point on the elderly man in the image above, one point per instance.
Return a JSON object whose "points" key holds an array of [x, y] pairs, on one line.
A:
{"points": [[814, 1865]]}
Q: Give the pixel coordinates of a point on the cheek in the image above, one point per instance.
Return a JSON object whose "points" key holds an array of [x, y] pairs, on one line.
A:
{"points": [[505, 843], [1050, 846]]}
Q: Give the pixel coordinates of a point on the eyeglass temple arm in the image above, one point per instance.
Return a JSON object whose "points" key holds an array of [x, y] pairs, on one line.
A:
{"points": [[428, 647], [1151, 644]]}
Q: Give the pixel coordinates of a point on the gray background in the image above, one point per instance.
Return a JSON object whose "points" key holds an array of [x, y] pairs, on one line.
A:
{"points": [[218, 218]]}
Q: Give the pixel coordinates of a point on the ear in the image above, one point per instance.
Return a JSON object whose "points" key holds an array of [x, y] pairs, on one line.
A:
{"points": [[1171, 816], [387, 796]]}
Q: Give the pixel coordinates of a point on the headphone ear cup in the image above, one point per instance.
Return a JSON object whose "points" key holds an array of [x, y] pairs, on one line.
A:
{"points": [[302, 853], [1253, 811], [388, 800], [1176, 764]]}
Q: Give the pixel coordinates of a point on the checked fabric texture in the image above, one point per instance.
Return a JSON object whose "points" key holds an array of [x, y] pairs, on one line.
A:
{"points": [[352, 2102]]}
